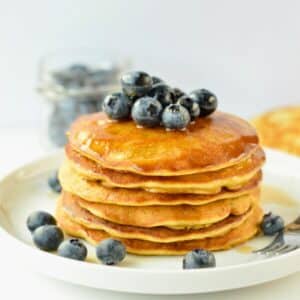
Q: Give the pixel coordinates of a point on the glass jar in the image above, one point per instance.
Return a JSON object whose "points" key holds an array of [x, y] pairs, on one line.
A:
{"points": [[74, 83]]}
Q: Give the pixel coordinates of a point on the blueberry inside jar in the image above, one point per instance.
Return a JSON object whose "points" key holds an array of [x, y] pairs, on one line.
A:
{"points": [[73, 84]]}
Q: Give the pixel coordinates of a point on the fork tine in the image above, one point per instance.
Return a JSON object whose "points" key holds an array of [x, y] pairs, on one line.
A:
{"points": [[279, 250], [288, 249], [275, 251], [275, 244]]}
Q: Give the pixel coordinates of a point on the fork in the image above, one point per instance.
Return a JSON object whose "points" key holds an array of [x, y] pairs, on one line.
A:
{"points": [[285, 241]]}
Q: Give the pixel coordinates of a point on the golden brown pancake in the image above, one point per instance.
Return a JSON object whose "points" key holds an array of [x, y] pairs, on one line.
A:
{"points": [[170, 216], [94, 191], [218, 141], [280, 129], [204, 183], [155, 234], [236, 236]]}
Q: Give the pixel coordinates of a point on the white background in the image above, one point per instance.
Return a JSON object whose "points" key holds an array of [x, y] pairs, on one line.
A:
{"points": [[247, 52]]}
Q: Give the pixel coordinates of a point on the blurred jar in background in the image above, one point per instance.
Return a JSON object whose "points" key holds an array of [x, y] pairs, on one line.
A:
{"points": [[74, 83]]}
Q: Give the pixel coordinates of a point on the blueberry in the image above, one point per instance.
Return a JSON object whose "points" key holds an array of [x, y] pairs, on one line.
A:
{"points": [[61, 117], [110, 251], [96, 101], [79, 68], [54, 183], [146, 112], [61, 78], [156, 80], [67, 107], [38, 219], [101, 77], [63, 114], [272, 224], [87, 106], [199, 258], [207, 101], [177, 93], [76, 84], [73, 249], [56, 130], [117, 106], [78, 71], [75, 76], [162, 93], [48, 237], [175, 116], [190, 105], [99, 101], [136, 84]]}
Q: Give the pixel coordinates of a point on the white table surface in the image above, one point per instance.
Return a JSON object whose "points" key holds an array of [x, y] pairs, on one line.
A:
{"points": [[21, 146]]}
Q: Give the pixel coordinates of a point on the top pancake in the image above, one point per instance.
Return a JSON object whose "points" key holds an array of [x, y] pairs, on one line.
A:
{"points": [[280, 129], [211, 143]]}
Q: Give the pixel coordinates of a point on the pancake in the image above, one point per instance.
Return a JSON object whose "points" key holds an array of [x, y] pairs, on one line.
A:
{"points": [[171, 216], [234, 237], [279, 129], [204, 183], [94, 191], [156, 234], [215, 142]]}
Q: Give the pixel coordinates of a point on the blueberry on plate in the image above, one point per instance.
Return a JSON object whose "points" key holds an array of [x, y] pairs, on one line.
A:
{"points": [[177, 93], [207, 101], [199, 258], [190, 105], [146, 112], [73, 248], [117, 106], [54, 183], [110, 251], [136, 84], [156, 80], [162, 93], [39, 218], [48, 237], [175, 116], [272, 224]]}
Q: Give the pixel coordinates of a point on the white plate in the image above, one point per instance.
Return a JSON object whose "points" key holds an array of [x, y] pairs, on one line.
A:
{"points": [[26, 190]]}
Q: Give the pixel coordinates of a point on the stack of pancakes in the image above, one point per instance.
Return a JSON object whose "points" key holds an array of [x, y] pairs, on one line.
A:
{"points": [[162, 192]]}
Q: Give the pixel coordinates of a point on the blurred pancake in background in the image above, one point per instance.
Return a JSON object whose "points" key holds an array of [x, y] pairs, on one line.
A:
{"points": [[280, 129]]}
